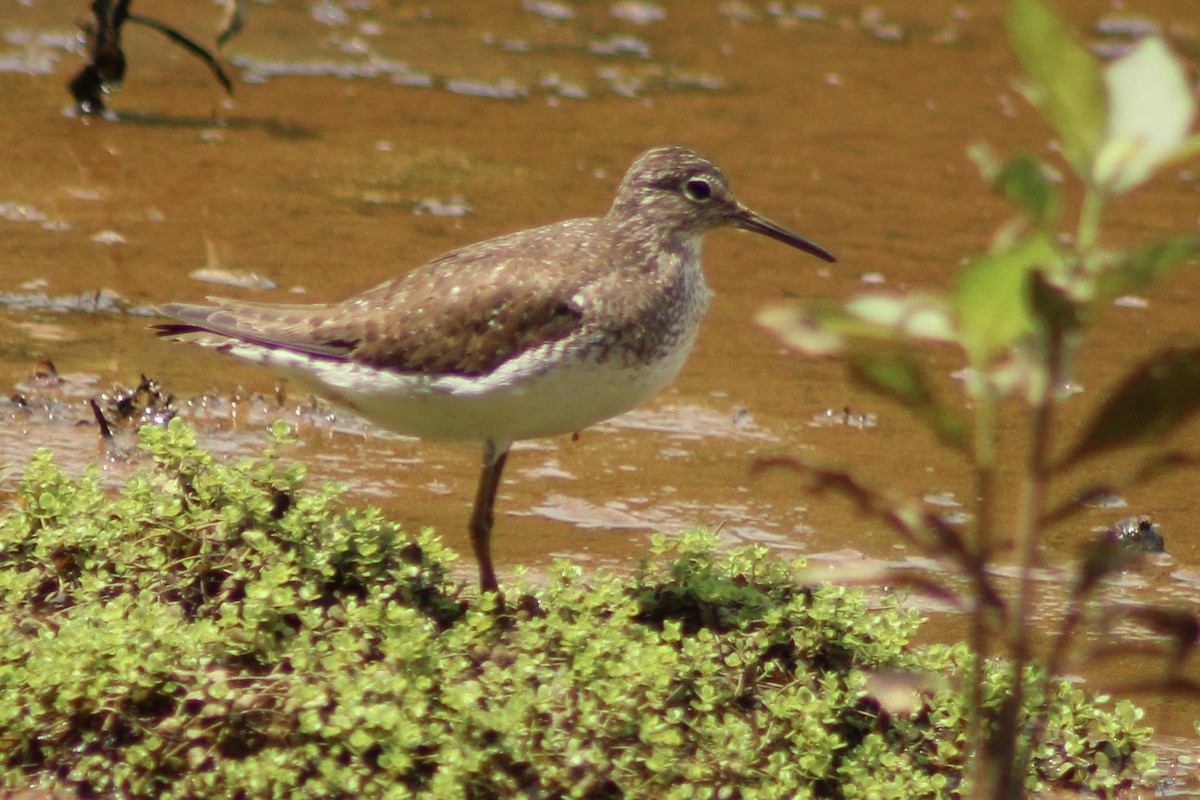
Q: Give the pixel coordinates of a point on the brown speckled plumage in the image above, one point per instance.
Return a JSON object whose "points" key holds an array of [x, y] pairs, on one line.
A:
{"points": [[494, 325]]}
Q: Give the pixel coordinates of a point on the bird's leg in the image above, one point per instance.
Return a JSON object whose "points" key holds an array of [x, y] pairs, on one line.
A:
{"points": [[482, 517]]}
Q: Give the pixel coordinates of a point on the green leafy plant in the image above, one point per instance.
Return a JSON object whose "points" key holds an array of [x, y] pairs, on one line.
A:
{"points": [[1018, 314], [219, 631]]}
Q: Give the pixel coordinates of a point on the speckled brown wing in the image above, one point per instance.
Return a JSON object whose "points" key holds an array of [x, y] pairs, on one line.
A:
{"points": [[463, 313]]}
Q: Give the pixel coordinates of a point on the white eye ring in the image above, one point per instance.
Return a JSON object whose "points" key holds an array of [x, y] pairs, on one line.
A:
{"points": [[697, 189]]}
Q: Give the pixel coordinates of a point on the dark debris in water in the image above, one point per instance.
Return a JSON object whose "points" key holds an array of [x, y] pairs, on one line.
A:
{"points": [[1137, 534], [617, 80], [51, 396], [102, 301], [104, 71], [1118, 31], [143, 404], [49, 409], [130, 408]]}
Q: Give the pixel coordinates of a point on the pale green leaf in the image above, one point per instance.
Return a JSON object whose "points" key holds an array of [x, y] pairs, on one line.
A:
{"points": [[992, 297], [804, 328], [914, 316], [1064, 79], [986, 160], [1150, 112], [822, 329]]}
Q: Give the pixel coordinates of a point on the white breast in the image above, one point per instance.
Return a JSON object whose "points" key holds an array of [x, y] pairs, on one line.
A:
{"points": [[542, 392]]}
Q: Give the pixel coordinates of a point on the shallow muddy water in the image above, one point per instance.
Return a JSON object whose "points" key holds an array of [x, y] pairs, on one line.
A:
{"points": [[366, 137]]}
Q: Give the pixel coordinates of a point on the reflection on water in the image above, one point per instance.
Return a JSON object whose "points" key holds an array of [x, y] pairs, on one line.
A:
{"points": [[368, 137]]}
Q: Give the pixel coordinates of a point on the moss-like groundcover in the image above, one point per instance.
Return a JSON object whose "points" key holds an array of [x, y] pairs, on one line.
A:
{"points": [[222, 631]]}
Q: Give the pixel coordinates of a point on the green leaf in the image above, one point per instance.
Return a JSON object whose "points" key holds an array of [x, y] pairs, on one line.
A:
{"points": [[1144, 267], [1151, 110], [899, 377], [1065, 80], [992, 298], [1022, 180], [1157, 397]]}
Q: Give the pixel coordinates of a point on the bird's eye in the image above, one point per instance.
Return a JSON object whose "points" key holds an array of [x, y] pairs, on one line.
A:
{"points": [[697, 189]]}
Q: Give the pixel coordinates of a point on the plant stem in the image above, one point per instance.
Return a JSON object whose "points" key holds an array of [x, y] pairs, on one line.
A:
{"points": [[1088, 230], [985, 493], [1034, 483]]}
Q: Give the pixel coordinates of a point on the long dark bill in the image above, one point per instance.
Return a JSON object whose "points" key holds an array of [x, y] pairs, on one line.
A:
{"points": [[749, 220]]}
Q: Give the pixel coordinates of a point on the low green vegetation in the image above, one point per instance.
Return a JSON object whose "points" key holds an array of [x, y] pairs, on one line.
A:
{"points": [[222, 631]]}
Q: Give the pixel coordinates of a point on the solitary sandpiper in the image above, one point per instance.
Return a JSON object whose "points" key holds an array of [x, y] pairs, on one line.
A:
{"points": [[537, 333]]}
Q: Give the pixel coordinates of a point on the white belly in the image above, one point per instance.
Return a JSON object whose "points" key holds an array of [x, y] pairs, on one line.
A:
{"points": [[538, 393]]}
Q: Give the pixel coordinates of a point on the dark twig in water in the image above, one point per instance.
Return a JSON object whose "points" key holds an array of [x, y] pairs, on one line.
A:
{"points": [[105, 69], [187, 44], [232, 22], [105, 431]]}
